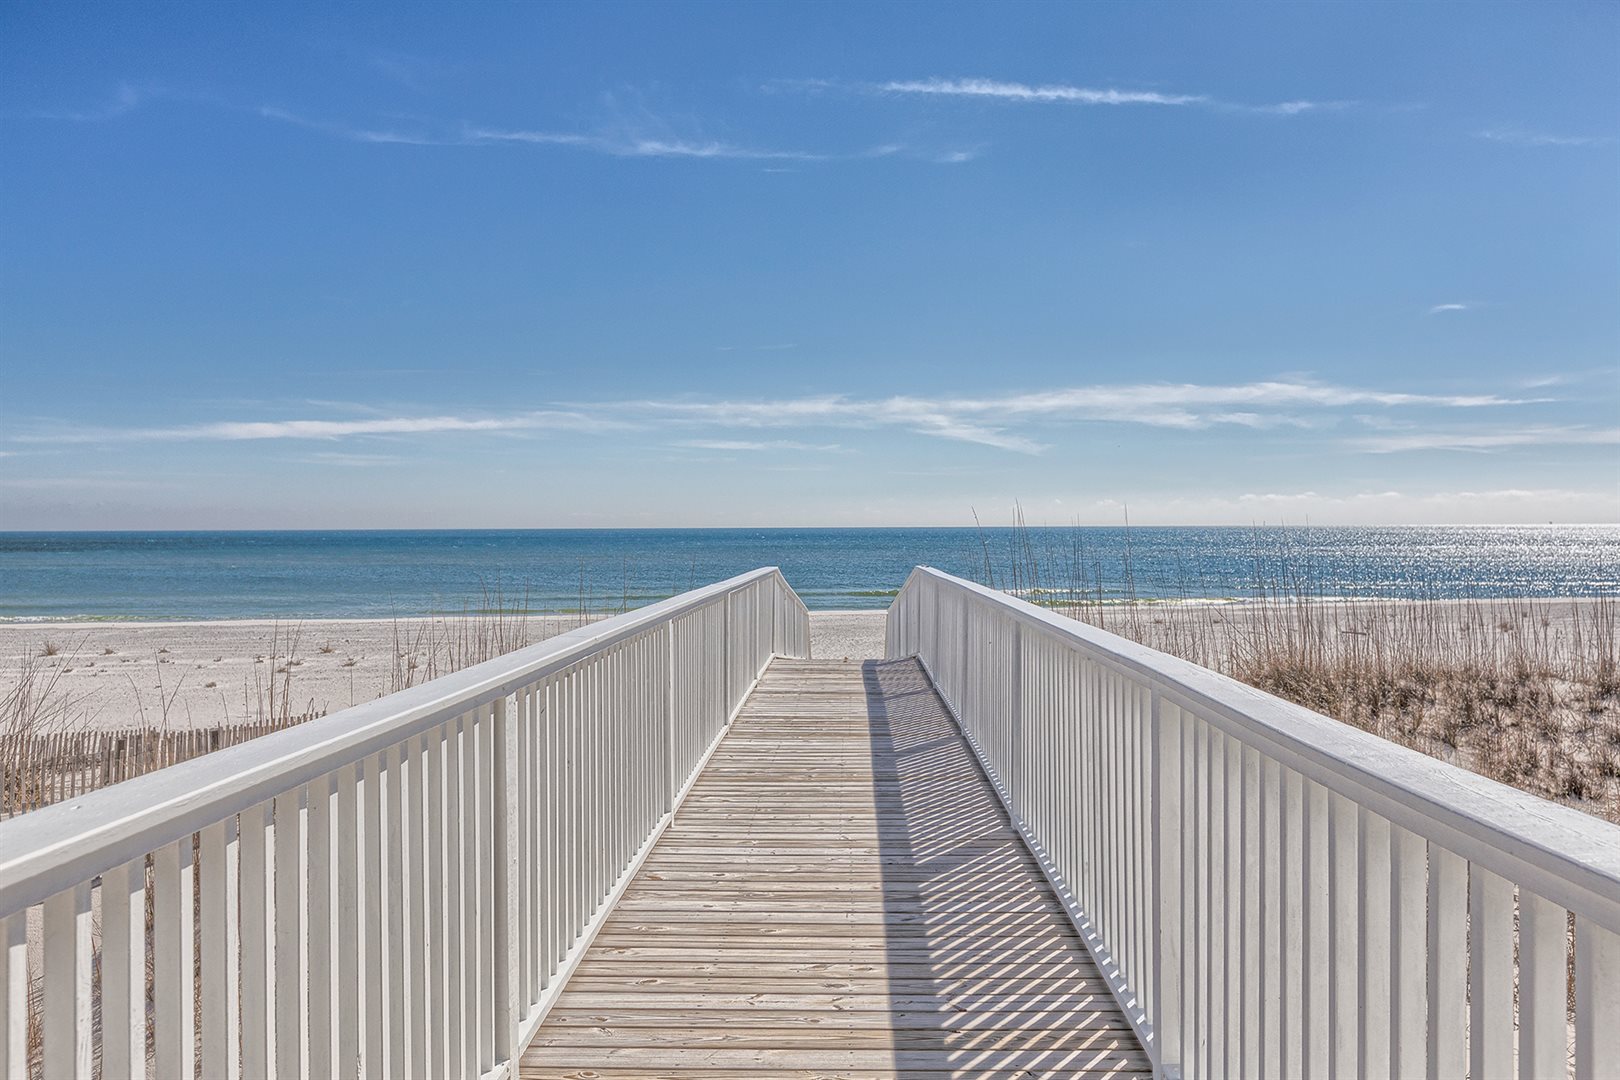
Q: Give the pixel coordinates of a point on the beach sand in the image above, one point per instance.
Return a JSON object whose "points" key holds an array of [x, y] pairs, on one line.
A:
{"points": [[198, 674]]}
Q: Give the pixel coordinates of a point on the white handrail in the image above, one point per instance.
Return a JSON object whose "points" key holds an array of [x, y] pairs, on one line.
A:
{"points": [[398, 889], [1268, 891]]}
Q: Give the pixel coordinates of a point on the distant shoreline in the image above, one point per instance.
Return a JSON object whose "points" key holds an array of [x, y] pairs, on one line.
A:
{"points": [[1049, 599]]}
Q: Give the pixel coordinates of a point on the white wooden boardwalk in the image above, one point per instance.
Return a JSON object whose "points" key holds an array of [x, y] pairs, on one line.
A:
{"points": [[841, 894]]}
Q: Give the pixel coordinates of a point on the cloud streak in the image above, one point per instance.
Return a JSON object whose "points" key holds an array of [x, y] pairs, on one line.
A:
{"points": [[756, 446], [1441, 309], [1008, 422], [126, 98], [993, 421], [1064, 94], [624, 146], [1521, 137], [1010, 91], [254, 430], [1485, 441]]}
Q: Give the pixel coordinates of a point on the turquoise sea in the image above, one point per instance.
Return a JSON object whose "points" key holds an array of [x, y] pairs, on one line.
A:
{"points": [[224, 575]]}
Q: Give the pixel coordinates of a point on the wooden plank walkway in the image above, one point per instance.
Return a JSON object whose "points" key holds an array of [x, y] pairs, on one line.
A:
{"points": [[841, 894]]}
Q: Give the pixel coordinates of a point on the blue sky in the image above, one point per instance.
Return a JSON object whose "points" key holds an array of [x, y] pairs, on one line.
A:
{"points": [[541, 265]]}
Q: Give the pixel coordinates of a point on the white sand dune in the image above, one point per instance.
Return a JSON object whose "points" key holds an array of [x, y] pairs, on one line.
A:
{"points": [[205, 673]]}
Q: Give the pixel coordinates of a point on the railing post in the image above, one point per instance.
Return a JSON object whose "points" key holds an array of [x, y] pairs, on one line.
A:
{"points": [[1015, 721], [669, 716], [506, 872], [1164, 905]]}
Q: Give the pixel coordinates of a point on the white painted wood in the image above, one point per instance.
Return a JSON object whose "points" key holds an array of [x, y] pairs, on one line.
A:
{"points": [[320, 963], [505, 873], [1375, 893], [1409, 1000], [1597, 998], [1490, 974], [1168, 891], [440, 882], [1448, 963], [1272, 918], [373, 986], [1318, 934], [221, 946], [1543, 1033], [290, 1062], [174, 988], [455, 766], [1292, 886], [257, 935], [123, 970], [397, 1057], [414, 960], [1250, 984], [14, 998], [66, 1018], [347, 1016]]}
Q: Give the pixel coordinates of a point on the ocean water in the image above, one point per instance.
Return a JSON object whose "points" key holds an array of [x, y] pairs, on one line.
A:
{"points": [[225, 575]]}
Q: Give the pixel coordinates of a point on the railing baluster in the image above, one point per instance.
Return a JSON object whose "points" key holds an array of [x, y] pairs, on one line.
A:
{"points": [[1408, 1002], [1295, 867], [1268, 1065], [1543, 953], [441, 881], [123, 972], [319, 963], [173, 989], [221, 1034], [258, 974], [346, 1016], [504, 875], [67, 958], [373, 988], [1597, 998], [14, 996], [289, 937], [1374, 888], [457, 879], [1448, 963], [1490, 974]]}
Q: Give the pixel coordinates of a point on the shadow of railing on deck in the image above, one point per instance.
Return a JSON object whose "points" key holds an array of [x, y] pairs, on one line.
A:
{"points": [[980, 958]]}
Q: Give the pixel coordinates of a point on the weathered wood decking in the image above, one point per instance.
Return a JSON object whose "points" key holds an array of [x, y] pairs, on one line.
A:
{"points": [[841, 894]]}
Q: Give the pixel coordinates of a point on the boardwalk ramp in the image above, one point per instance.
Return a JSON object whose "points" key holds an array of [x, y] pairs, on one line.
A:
{"points": [[840, 894]]}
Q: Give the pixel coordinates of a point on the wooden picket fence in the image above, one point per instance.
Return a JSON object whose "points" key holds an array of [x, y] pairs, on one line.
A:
{"points": [[38, 769]]}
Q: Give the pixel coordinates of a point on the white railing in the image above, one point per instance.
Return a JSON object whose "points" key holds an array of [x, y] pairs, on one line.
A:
{"points": [[1271, 893], [395, 890]]}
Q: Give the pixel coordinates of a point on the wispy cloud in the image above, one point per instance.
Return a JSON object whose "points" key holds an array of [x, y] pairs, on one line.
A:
{"points": [[349, 461], [1013, 422], [1011, 91], [755, 446], [1484, 441], [247, 430], [994, 421], [1440, 309], [613, 145], [126, 98], [1521, 137], [356, 134], [1065, 94], [639, 147]]}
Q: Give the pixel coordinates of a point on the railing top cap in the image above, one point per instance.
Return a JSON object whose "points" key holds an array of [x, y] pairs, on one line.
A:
{"points": [[1480, 818], [41, 851]]}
